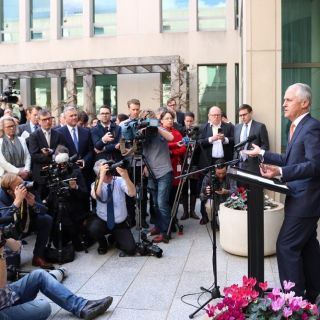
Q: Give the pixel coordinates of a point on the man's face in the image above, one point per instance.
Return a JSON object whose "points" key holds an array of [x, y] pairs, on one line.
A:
{"points": [[188, 121], [71, 117], [245, 116], [46, 122], [221, 173], [214, 116], [105, 115], [34, 116], [134, 110], [172, 105], [293, 106]]}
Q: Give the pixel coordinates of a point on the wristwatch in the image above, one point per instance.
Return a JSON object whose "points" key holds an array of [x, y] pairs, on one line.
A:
{"points": [[2, 256]]}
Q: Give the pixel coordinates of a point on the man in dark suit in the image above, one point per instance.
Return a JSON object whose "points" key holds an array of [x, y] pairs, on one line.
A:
{"points": [[298, 250], [78, 141], [42, 144], [179, 123], [250, 127], [32, 123]]}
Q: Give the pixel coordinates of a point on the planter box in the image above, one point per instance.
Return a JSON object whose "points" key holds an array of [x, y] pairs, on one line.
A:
{"points": [[233, 230]]}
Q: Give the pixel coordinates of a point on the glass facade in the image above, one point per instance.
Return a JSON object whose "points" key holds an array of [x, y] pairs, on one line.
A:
{"points": [[300, 51], [104, 17], [41, 92], [211, 15], [71, 18], [175, 15], [39, 19], [9, 20], [212, 88], [106, 92]]}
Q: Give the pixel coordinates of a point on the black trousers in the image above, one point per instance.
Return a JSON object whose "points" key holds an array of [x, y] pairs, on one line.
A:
{"points": [[41, 224], [121, 233], [298, 254]]}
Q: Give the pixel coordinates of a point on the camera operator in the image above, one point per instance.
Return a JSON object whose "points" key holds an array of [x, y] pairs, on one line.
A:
{"points": [[105, 136], [33, 215], [109, 192], [18, 299], [215, 186]]}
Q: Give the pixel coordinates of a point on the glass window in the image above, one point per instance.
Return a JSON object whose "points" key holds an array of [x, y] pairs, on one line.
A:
{"points": [[212, 88], [105, 17], [211, 15], [71, 18], [9, 20], [106, 92], [79, 90], [175, 15], [39, 19], [41, 92]]}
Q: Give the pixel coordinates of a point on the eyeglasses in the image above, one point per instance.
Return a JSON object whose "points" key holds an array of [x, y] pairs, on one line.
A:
{"points": [[105, 113], [243, 114], [10, 127]]}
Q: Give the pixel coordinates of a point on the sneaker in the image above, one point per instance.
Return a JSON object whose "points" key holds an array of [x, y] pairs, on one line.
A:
{"points": [[160, 238]]}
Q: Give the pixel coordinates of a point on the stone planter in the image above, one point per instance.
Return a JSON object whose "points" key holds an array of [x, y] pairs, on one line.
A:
{"points": [[233, 230]]}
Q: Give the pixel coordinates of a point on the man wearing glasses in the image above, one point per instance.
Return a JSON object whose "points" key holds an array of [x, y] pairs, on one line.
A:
{"points": [[105, 136]]}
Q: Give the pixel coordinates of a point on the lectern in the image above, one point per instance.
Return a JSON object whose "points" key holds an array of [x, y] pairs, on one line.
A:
{"points": [[255, 185]]}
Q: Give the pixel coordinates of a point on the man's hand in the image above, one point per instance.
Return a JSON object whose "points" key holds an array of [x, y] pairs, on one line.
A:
{"points": [[24, 174], [222, 191], [253, 152], [73, 184], [103, 170], [123, 172], [269, 171], [220, 136], [108, 137], [31, 199], [14, 245]]}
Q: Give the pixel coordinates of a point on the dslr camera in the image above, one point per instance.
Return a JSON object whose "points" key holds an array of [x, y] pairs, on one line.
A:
{"points": [[124, 164], [9, 95]]}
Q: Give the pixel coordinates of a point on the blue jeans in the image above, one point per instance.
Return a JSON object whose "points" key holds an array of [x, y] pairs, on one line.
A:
{"points": [[160, 189], [29, 286]]}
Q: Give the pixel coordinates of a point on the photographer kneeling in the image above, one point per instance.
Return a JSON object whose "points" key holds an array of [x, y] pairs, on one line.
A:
{"points": [[109, 191], [32, 215]]}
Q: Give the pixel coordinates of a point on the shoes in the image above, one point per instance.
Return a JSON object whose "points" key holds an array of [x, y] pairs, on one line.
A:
{"points": [[102, 250], [185, 216], [204, 220], [154, 231], [193, 215], [42, 263], [95, 308], [160, 238]]}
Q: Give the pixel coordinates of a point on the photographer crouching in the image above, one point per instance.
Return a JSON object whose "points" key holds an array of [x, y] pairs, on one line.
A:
{"points": [[109, 192], [32, 215]]}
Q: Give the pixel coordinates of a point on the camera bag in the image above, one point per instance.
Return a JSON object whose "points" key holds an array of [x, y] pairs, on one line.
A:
{"points": [[67, 255]]}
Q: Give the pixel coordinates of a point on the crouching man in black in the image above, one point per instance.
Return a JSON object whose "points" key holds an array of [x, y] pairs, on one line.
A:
{"points": [[110, 191], [14, 197]]}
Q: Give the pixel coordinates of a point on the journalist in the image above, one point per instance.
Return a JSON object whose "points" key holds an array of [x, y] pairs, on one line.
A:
{"points": [[18, 299], [32, 215], [109, 191]]}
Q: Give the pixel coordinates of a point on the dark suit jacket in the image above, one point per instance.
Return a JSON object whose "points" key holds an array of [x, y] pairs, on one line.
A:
{"points": [[109, 150], [37, 141], [262, 140], [206, 147], [180, 117], [24, 127], [301, 169]]}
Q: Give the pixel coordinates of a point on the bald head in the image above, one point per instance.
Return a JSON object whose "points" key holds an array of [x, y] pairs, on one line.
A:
{"points": [[214, 115]]}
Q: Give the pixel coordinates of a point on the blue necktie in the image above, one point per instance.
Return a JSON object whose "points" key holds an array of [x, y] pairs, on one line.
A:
{"points": [[110, 209], [75, 139]]}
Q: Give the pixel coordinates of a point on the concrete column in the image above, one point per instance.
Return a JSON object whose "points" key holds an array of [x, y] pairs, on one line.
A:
{"points": [[89, 95], [24, 14], [56, 104], [71, 99], [193, 89], [193, 15], [25, 91], [176, 80], [55, 20], [87, 18]]}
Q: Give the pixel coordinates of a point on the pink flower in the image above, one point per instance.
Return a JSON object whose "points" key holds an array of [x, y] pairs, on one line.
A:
{"points": [[287, 312], [263, 285], [249, 282], [277, 304], [287, 285]]}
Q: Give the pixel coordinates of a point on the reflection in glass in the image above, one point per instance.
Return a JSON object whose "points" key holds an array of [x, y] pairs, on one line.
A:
{"points": [[39, 19], [71, 18], [212, 88], [9, 20], [41, 92], [211, 15], [105, 20], [175, 15], [106, 92]]}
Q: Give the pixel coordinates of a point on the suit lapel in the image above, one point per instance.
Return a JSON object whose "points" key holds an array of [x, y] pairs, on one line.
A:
{"points": [[43, 139]]}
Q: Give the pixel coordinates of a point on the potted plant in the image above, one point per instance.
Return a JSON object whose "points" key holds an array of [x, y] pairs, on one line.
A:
{"points": [[233, 223], [245, 302]]}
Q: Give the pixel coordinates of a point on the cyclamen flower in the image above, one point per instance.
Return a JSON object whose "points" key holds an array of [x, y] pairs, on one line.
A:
{"points": [[277, 304], [263, 285], [287, 312], [287, 285]]}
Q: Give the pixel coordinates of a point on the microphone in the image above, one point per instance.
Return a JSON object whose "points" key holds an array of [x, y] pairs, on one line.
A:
{"points": [[248, 140]]}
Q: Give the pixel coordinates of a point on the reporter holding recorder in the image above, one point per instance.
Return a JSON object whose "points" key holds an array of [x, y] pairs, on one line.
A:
{"points": [[18, 299], [109, 192]]}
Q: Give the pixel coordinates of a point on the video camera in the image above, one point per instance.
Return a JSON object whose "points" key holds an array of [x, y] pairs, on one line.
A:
{"points": [[192, 133], [140, 129], [124, 164], [9, 95], [147, 248]]}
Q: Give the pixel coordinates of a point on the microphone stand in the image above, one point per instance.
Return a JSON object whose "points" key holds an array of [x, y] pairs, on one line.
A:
{"points": [[215, 291]]}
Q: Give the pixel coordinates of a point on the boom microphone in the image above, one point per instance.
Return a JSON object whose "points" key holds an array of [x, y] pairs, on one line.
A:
{"points": [[248, 140]]}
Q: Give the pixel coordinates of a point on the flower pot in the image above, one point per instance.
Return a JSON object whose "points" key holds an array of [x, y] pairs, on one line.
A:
{"points": [[234, 229]]}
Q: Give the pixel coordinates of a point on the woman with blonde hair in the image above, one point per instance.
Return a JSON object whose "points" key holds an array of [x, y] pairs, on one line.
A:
{"points": [[14, 154]]}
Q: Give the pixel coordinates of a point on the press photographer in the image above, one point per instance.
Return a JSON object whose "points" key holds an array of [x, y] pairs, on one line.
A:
{"points": [[32, 215], [109, 192], [216, 186]]}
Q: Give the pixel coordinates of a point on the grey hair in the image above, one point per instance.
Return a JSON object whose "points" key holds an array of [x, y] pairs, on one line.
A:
{"points": [[97, 165], [70, 108], [2, 120], [304, 92]]}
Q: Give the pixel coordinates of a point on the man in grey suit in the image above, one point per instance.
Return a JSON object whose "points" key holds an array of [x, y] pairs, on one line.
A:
{"points": [[249, 127]]}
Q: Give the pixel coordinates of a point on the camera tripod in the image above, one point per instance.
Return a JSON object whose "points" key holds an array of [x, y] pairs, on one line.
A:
{"points": [[185, 169]]}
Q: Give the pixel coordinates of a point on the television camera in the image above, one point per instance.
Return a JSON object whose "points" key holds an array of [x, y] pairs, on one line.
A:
{"points": [[140, 129], [10, 95]]}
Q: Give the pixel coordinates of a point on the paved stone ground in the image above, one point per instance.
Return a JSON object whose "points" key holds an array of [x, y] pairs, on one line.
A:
{"points": [[149, 288]]}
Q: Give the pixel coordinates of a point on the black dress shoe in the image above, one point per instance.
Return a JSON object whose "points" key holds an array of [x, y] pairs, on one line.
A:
{"points": [[95, 308]]}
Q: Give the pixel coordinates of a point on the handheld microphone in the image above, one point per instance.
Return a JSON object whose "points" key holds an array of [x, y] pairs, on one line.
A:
{"points": [[248, 140]]}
